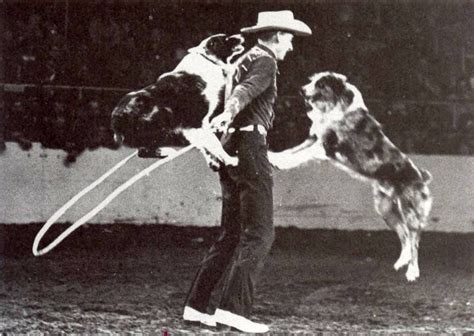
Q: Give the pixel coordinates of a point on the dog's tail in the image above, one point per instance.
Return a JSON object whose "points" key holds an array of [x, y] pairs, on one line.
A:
{"points": [[426, 176]]}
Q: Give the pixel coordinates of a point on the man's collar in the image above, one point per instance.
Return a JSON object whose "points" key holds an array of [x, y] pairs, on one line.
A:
{"points": [[268, 50]]}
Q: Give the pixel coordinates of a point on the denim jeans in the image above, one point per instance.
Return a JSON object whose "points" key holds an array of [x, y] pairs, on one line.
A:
{"points": [[247, 230]]}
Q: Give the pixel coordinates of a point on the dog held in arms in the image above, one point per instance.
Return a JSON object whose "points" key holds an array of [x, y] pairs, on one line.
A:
{"points": [[344, 133], [181, 103]]}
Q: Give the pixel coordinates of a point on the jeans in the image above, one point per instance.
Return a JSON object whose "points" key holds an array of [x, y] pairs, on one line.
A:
{"points": [[247, 230]]}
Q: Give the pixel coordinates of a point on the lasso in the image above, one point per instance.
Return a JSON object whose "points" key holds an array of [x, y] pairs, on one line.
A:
{"points": [[101, 205]]}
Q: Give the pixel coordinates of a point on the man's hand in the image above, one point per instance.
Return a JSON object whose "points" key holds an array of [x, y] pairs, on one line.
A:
{"points": [[221, 122]]}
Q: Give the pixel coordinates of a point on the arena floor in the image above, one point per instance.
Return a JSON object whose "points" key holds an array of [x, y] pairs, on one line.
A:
{"points": [[111, 279]]}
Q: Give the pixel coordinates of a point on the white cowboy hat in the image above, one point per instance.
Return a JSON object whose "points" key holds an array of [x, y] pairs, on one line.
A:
{"points": [[280, 20]]}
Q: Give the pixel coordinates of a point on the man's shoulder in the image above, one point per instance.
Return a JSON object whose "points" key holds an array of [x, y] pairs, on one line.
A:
{"points": [[257, 55], [256, 52]]}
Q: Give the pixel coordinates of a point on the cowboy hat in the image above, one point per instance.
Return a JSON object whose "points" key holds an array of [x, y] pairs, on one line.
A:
{"points": [[279, 20]]}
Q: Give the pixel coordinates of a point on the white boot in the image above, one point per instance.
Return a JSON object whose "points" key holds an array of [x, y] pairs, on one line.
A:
{"points": [[192, 315], [239, 322]]}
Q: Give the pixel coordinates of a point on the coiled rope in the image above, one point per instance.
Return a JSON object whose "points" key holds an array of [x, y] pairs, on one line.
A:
{"points": [[101, 205]]}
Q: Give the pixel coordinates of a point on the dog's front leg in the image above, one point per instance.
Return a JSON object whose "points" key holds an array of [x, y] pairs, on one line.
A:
{"points": [[413, 271], [304, 145], [296, 156], [205, 139], [210, 111], [317, 152], [287, 159], [282, 160]]}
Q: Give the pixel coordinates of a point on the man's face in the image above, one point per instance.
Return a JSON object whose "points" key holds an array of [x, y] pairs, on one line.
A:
{"points": [[284, 45]]}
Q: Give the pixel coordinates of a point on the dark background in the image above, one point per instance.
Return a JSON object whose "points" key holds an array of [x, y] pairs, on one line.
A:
{"points": [[412, 60]]}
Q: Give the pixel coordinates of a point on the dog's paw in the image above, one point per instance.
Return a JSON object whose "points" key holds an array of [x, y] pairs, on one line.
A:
{"points": [[280, 160], [318, 153], [213, 163], [274, 159], [211, 160], [159, 153], [404, 259], [214, 166], [413, 272], [232, 161], [163, 152]]}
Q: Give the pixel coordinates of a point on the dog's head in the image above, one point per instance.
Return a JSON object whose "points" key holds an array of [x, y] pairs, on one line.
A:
{"points": [[220, 48], [328, 89]]}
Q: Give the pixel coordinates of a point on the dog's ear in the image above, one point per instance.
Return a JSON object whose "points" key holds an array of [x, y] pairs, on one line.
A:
{"points": [[337, 86], [347, 96], [216, 41]]}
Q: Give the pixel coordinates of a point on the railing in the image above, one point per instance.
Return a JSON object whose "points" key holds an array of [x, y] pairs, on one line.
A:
{"points": [[417, 126], [16, 87], [19, 88]]}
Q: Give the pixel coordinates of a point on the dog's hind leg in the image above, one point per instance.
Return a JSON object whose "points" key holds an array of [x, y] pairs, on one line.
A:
{"points": [[416, 205], [413, 271], [388, 206], [405, 236], [406, 253]]}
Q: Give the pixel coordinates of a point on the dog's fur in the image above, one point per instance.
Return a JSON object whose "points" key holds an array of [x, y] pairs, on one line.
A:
{"points": [[345, 133], [182, 101]]}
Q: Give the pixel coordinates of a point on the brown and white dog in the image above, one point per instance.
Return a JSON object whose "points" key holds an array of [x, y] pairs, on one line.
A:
{"points": [[181, 102], [344, 133]]}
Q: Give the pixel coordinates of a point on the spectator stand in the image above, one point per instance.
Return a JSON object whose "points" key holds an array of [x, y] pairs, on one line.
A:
{"points": [[79, 57]]}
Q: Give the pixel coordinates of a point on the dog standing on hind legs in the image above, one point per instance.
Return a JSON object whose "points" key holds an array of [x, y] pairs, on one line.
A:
{"points": [[344, 133]]}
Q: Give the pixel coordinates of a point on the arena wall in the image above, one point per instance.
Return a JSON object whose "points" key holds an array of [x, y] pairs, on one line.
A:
{"points": [[35, 184]]}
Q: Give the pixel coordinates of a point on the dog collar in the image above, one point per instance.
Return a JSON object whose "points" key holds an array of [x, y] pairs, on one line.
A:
{"points": [[208, 58]]}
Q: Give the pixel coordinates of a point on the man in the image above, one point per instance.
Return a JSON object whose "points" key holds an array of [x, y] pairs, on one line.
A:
{"points": [[247, 231]]}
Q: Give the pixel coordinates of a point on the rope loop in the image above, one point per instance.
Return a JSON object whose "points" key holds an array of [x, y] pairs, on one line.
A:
{"points": [[101, 205]]}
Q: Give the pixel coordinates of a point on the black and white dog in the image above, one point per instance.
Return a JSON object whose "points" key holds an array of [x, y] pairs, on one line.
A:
{"points": [[345, 133], [181, 102]]}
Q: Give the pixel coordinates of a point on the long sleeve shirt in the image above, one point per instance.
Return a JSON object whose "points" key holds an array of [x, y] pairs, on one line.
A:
{"points": [[254, 87]]}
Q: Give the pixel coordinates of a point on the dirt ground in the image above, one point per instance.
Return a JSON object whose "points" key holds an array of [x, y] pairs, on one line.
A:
{"points": [[110, 279]]}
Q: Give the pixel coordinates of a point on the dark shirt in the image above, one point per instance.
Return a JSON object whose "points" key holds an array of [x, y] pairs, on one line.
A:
{"points": [[254, 86]]}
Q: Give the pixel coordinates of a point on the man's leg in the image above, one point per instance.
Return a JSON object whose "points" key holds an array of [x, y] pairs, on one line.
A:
{"points": [[249, 256], [217, 258], [256, 213]]}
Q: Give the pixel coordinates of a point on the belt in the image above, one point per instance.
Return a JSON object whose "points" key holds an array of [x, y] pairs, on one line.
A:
{"points": [[250, 128]]}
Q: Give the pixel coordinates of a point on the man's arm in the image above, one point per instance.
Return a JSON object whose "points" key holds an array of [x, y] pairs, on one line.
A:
{"points": [[259, 77]]}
